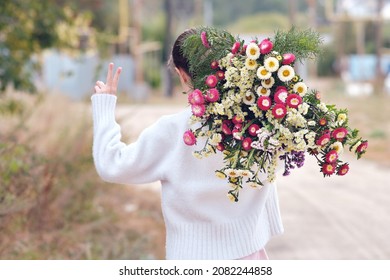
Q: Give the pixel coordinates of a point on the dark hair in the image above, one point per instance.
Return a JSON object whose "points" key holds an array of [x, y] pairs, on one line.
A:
{"points": [[177, 56]]}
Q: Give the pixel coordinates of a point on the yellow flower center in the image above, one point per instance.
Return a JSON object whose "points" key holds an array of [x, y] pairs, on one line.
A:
{"points": [[264, 72], [279, 111], [300, 89], [329, 167], [252, 51], [271, 64], [263, 91], [286, 73]]}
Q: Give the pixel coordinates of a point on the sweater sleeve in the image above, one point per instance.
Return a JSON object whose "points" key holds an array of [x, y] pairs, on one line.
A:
{"points": [[140, 162]]}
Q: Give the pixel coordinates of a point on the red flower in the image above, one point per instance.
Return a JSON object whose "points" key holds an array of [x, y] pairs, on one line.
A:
{"points": [[293, 100], [323, 122], [225, 128], [279, 111], [264, 103], [324, 139], [198, 110], [236, 119], [220, 147], [211, 81], [203, 37], [238, 126], [288, 58], [328, 168], [331, 156], [339, 133], [246, 144], [214, 64], [236, 47], [220, 75], [253, 128], [196, 97], [343, 169], [281, 95], [362, 147], [212, 95], [189, 138], [266, 46]]}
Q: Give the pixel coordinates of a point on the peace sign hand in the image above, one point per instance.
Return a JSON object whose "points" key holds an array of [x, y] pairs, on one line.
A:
{"points": [[111, 84]]}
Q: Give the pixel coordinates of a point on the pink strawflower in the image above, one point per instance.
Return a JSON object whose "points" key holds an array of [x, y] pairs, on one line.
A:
{"points": [[246, 144], [328, 168], [211, 81], [236, 47], [243, 51], [196, 97], [238, 126], [237, 134], [293, 100], [198, 110], [279, 111], [323, 140], [203, 37], [339, 133], [214, 64], [212, 95], [236, 119], [288, 58], [331, 156], [252, 130], [220, 147], [343, 169], [264, 103], [226, 128], [220, 75], [266, 46], [362, 147], [189, 138], [281, 95]]}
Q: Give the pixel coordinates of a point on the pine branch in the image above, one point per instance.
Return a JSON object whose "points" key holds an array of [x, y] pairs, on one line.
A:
{"points": [[200, 57], [302, 43]]}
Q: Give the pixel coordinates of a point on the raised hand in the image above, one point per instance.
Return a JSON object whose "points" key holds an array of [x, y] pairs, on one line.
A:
{"points": [[111, 84]]}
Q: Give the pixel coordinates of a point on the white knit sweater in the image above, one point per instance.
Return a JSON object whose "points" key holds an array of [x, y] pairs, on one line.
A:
{"points": [[201, 222]]}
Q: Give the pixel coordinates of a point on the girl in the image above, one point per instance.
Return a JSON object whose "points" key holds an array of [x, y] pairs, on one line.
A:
{"points": [[200, 222]]}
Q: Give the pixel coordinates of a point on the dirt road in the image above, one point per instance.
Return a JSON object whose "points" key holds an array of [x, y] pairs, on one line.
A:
{"points": [[324, 218]]}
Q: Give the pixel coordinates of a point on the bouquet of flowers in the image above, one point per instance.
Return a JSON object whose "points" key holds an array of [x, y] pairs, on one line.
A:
{"points": [[250, 105]]}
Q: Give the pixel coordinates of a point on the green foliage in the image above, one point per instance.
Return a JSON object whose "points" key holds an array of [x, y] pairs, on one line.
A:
{"points": [[303, 43], [27, 28], [200, 57]]}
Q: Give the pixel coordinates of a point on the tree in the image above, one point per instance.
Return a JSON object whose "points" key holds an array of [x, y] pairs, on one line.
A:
{"points": [[27, 28]]}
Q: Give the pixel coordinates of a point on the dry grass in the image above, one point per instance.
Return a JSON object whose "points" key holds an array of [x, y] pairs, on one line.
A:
{"points": [[52, 203]]}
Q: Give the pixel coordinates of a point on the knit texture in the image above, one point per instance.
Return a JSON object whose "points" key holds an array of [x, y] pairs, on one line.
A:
{"points": [[201, 222]]}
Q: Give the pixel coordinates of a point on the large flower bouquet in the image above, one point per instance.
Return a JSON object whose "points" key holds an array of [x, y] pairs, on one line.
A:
{"points": [[250, 104]]}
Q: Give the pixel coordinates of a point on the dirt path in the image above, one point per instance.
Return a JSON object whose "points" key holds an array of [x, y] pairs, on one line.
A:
{"points": [[324, 218]]}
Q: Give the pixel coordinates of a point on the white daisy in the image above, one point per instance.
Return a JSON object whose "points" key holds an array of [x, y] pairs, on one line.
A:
{"points": [[249, 98], [300, 88], [262, 91], [285, 73], [253, 51], [250, 64], [263, 73], [268, 83], [271, 64]]}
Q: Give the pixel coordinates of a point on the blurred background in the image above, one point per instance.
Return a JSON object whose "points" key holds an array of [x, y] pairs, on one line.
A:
{"points": [[52, 203]]}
